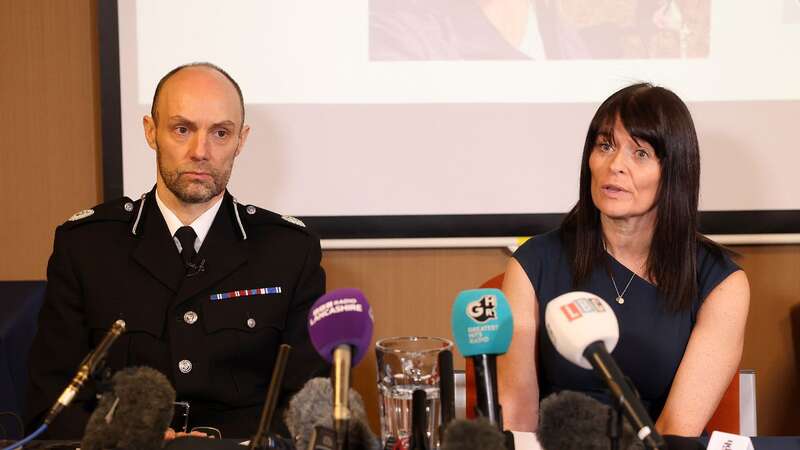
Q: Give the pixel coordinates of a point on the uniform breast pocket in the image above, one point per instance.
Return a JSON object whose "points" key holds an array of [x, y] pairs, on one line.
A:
{"points": [[251, 314], [252, 325], [140, 343]]}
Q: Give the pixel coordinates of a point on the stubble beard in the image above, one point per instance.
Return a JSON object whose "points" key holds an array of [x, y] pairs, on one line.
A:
{"points": [[194, 191]]}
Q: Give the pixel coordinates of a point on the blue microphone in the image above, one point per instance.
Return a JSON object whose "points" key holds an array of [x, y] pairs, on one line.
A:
{"points": [[482, 328]]}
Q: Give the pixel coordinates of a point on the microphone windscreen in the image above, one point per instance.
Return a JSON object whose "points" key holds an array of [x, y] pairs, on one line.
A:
{"points": [[576, 319], [313, 405], [477, 434], [570, 420], [342, 316], [482, 322], [134, 414]]}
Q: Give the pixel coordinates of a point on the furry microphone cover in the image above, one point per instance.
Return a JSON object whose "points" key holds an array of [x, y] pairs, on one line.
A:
{"points": [[473, 434], [570, 420], [313, 405], [134, 415]]}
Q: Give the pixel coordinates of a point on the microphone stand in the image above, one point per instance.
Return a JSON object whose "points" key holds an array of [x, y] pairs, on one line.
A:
{"points": [[614, 424], [624, 395], [342, 358], [259, 440], [446, 390], [488, 404], [419, 420], [86, 370]]}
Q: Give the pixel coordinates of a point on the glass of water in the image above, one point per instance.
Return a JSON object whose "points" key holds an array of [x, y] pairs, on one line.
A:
{"points": [[405, 364]]}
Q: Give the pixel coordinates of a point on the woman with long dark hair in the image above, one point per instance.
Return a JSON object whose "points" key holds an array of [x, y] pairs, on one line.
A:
{"points": [[632, 239]]}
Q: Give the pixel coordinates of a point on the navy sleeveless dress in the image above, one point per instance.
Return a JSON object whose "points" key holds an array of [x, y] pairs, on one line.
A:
{"points": [[651, 342]]}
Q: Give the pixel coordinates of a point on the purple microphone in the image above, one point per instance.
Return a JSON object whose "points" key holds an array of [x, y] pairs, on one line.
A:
{"points": [[341, 317], [340, 327]]}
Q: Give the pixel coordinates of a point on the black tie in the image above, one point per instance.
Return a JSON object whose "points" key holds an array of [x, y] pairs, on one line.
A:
{"points": [[186, 236]]}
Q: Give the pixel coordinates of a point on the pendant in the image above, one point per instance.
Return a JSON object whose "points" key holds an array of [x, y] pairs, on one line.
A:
{"points": [[620, 300]]}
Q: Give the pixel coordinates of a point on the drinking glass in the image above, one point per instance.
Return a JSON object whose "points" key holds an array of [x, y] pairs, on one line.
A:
{"points": [[405, 364]]}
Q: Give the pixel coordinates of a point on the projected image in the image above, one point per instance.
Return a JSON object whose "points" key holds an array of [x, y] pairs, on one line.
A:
{"points": [[409, 30], [417, 129]]}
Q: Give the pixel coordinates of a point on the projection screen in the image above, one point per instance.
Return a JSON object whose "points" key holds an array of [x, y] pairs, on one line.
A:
{"points": [[462, 118]]}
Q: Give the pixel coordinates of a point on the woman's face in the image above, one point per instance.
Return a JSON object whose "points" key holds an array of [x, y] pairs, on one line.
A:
{"points": [[625, 175]]}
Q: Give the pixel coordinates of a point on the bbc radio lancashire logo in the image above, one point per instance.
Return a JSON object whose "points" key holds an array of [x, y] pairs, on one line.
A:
{"points": [[581, 306], [484, 309]]}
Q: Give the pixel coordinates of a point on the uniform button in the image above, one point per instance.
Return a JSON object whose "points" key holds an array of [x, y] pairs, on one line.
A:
{"points": [[185, 366], [251, 209], [251, 323], [190, 317], [128, 206]]}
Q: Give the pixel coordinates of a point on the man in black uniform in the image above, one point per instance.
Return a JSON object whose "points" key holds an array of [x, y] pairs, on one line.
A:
{"points": [[208, 287]]}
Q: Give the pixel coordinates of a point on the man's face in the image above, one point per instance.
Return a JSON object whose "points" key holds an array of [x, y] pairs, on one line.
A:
{"points": [[197, 133]]}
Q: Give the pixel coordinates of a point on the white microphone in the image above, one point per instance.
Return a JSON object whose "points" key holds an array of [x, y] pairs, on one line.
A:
{"points": [[584, 329], [576, 320]]}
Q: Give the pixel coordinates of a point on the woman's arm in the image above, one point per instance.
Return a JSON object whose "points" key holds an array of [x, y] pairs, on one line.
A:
{"points": [[711, 360], [517, 383]]}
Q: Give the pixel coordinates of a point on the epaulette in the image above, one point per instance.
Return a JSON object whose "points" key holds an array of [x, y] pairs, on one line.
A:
{"points": [[255, 216], [119, 210]]}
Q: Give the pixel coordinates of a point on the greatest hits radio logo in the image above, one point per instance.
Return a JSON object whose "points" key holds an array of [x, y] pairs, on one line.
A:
{"points": [[483, 309], [581, 306]]}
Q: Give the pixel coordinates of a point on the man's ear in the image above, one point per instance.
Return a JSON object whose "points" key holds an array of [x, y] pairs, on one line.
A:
{"points": [[242, 138], [150, 131]]}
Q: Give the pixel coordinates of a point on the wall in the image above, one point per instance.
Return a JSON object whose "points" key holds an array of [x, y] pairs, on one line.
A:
{"points": [[772, 342], [49, 163], [50, 168]]}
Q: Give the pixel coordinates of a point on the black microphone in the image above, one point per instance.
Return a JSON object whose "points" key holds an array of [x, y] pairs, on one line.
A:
{"points": [[86, 369], [311, 409], [419, 420], [447, 390], [193, 269], [270, 403], [478, 434], [604, 364], [134, 414]]}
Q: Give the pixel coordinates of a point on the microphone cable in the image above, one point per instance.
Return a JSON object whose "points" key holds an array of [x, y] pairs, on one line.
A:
{"points": [[27, 439]]}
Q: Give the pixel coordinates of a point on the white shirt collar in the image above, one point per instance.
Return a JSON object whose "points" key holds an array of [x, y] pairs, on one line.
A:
{"points": [[201, 225]]}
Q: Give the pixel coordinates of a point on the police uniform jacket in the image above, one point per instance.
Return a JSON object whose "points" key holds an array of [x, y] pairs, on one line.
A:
{"points": [[120, 262]]}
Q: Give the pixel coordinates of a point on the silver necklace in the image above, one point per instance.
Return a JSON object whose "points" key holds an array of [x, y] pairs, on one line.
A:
{"points": [[620, 297]]}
